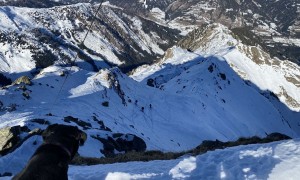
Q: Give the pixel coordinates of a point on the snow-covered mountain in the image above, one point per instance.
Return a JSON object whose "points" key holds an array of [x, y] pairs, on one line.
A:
{"points": [[38, 38], [196, 80], [172, 105], [250, 60], [276, 23]]}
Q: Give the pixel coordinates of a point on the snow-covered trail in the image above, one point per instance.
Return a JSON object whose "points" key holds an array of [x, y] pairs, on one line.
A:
{"points": [[279, 160]]}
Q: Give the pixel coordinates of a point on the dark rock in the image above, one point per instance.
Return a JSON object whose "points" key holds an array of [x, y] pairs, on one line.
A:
{"points": [[109, 147], [105, 104], [223, 76], [6, 174], [4, 81], [117, 86], [210, 68], [1, 105], [102, 125], [122, 143], [130, 142], [79, 122], [41, 121], [245, 141], [26, 95], [274, 95], [151, 82], [277, 137], [22, 87], [11, 108], [210, 145]]}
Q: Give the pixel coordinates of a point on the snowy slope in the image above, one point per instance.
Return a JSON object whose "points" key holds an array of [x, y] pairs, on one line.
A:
{"points": [[199, 99], [194, 98], [269, 76], [218, 87], [272, 161], [37, 38], [252, 63]]}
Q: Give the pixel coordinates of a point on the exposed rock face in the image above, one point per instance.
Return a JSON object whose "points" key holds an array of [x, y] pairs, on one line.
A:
{"points": [[113, 78], [22, 80], [9, 137]]}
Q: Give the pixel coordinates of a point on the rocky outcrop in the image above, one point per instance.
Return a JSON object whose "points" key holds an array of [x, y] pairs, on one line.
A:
{"points": [[115, 84], [10, 138], [25, 80], [122, 143], [83, 124]]}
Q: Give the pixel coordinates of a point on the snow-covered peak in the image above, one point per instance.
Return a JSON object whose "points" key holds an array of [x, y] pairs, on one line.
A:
{"points": [[251, 62]]}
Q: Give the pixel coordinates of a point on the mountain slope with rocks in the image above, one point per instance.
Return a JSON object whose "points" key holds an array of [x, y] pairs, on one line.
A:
{"points": [[276, 23], [155, 78], [173, 105], [37, 38], [249, 59]]}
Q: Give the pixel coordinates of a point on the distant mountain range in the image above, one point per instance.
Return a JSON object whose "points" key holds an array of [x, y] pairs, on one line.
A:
{"points": [[132, 27]]}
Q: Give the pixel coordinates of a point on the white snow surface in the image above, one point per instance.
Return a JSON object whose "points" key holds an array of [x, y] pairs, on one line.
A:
{"points": [[273, 161], [198, 96], [268, 74]]}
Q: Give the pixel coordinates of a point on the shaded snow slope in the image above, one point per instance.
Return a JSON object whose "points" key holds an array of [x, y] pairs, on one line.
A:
{"points": [[198, 99], [269, 161], [272, 161], [172, 105], [252, 62]]}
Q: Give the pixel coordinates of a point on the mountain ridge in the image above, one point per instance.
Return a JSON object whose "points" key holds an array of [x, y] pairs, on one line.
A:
{"points": [[189, 79]]}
